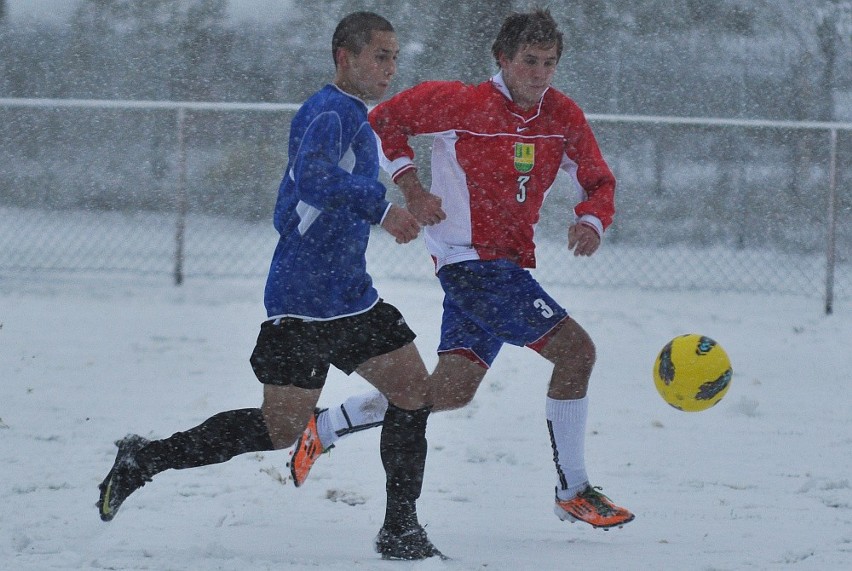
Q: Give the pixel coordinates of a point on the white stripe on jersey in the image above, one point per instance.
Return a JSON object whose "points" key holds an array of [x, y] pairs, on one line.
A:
{"points": [[307, 215]]}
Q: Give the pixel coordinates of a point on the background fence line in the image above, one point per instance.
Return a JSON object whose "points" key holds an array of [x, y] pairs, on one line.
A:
{"points": [[188, 130]]}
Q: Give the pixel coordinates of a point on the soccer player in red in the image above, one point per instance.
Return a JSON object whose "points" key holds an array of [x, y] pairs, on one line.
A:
{"points": [[497, 149]]}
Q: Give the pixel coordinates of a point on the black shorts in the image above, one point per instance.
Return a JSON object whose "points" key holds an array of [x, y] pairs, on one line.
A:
{"points": [[292, 351]]}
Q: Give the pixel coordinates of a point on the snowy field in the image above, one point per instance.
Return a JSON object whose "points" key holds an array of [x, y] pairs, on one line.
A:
{"points": [[762, 481]]}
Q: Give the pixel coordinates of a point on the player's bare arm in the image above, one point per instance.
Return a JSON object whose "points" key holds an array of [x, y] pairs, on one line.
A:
{"points": [[583, 239], [425, 206]]}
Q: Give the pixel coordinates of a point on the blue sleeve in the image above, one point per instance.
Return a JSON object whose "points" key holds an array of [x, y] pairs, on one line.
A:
{"points": [[323, 184]]}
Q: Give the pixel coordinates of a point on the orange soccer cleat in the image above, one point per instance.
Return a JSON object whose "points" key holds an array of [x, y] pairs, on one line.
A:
{"points": [[306, 451], [594, 508]]}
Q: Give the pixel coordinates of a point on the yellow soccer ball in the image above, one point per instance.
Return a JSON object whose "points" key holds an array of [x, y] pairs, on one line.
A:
{"points": [[692, 372]]}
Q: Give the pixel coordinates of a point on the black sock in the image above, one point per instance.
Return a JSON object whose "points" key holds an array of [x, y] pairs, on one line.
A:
{"points": [[403, 451], [217, 439]]}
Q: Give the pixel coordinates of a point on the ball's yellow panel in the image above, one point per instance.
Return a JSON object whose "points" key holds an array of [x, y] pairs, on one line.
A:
{"points": [[692, 372]]}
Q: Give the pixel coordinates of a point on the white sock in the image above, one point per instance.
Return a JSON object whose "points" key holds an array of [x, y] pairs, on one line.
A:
{"points": [[566, 421], [357, 413]]}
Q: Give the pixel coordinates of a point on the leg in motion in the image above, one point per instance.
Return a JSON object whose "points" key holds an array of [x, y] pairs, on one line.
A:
{"points": [[572, 353], [403, 451], [401, 376], [218, 439], [275, 425]]}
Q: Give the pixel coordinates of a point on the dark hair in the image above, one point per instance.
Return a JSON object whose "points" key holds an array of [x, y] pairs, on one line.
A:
{"points": [[355, 31], [534, 28]]}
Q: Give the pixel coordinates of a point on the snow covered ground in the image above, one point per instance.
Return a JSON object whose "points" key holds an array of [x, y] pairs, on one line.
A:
{"points": [[762, 481]]}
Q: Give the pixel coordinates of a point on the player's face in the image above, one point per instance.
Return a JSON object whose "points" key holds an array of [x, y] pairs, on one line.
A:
{"points": [[368, 74], [529, 73]]}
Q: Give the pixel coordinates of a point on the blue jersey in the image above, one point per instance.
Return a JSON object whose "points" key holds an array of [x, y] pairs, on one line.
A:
{"points": [[328, 199]]}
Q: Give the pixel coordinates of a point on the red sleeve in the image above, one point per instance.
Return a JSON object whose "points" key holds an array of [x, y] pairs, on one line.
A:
{"points": [[593, 173], [430, 107]]}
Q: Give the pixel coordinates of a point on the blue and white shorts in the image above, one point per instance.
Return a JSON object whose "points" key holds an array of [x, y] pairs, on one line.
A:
{"points": [[491, 302]]}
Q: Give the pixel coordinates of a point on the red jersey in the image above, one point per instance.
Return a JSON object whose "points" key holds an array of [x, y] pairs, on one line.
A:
{"points": [[493, 164]]}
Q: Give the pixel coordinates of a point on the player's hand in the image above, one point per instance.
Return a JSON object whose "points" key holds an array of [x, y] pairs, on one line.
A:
{"points": [[401, 224], [426, 208], [583, 239]]}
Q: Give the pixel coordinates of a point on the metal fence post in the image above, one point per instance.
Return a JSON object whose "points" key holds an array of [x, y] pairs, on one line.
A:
{"points": [[831, 239], [181, 197]]}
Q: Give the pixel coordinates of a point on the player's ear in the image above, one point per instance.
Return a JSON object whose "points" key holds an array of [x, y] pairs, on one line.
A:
{"points": [[343, 58]]}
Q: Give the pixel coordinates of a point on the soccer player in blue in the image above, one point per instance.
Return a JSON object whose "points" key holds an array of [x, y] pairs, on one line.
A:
{"points": [[321, 305]]}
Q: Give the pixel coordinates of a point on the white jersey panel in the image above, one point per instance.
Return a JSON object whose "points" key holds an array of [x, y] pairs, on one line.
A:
{"points": [[307, 215], [347, 161], [450, 241]]}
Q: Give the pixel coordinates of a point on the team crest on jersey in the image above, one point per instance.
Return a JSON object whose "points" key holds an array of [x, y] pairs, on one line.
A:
{"points": [[524, 157]]}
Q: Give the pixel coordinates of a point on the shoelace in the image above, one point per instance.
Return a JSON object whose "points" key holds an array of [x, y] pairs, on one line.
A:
{"points": [[599, 501]]}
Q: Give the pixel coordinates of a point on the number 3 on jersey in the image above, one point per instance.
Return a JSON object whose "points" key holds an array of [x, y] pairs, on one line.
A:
{"points": [[522, 188], [545, 309]]}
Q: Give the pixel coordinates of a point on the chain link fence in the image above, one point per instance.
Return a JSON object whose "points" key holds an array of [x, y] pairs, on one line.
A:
{"points": [[186, 190]]}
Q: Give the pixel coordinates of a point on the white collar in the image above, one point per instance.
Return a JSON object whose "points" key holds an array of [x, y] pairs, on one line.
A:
{"points": [[500, 84], [346, 93]]}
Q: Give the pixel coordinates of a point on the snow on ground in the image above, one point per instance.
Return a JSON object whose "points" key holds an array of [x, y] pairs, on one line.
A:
{"points": [[761, 481]]}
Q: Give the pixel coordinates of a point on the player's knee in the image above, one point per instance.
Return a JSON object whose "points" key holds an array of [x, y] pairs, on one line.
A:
{"points": [[572, 343], [586, 350]]}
